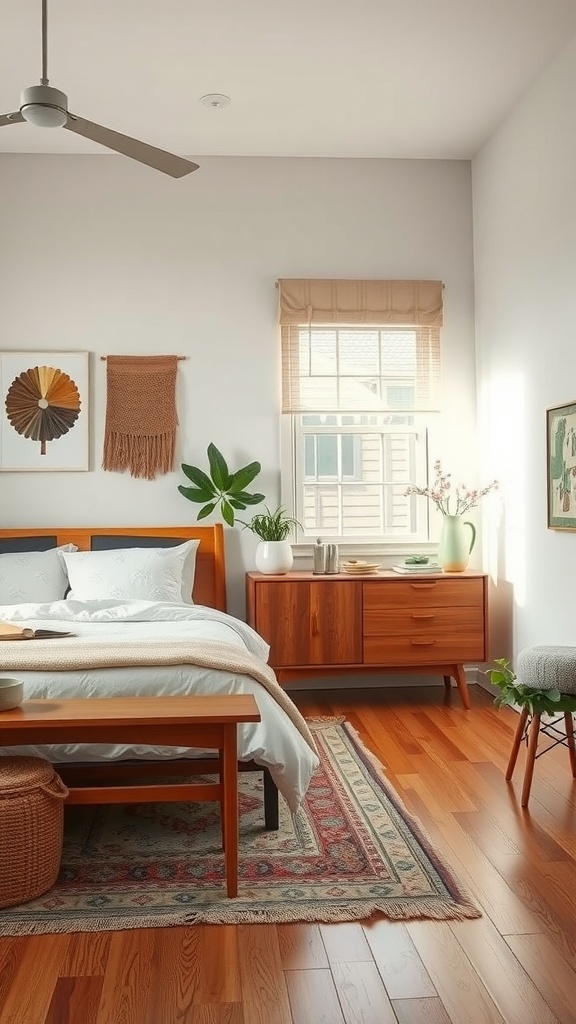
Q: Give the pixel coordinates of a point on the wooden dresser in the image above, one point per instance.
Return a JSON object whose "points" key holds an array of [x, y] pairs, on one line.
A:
{"points": [[317, 625]]}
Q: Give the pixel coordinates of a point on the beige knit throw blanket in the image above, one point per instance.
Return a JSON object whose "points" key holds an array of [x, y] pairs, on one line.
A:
{"points": [[141, 420], [72, 653]]}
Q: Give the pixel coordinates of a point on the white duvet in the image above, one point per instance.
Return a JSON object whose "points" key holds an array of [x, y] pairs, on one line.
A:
{"points": [[273, 742]]}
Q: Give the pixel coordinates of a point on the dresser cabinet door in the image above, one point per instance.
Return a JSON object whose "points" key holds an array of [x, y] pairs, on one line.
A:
{"points": [[310, 623]]}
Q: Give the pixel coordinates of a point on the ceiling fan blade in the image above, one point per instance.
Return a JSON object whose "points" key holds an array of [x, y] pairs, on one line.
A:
{"points": [[10, 118], [176, 166]]}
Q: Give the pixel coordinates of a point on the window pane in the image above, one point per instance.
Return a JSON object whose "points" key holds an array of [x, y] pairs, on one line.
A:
{"points": [[320, 392], [359, 352], [323, 347], [348, 452], [361, 510], [310, 457], [321, 510], [400, 397], [359, 393], [399, 353], [327, 448]]}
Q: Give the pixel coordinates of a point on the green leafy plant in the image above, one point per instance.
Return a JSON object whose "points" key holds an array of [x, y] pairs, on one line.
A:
{"points": [[221, 486], [272, 525], [538, 702]]}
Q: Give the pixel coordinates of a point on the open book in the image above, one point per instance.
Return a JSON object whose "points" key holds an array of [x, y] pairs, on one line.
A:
{"points": [[11, 631]]}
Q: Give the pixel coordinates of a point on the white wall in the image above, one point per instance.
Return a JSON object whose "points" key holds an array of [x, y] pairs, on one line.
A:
{"points": [[101, 254], [524, 197]]}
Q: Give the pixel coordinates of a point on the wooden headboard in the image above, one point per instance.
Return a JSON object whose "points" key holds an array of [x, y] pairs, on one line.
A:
{"points": [[210, 577]]}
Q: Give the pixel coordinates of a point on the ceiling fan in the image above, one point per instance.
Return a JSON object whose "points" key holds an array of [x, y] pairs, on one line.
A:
{"points": [[47, 107]]}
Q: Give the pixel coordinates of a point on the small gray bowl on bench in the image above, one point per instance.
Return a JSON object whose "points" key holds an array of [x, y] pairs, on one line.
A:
{"points": [[11, 693]]}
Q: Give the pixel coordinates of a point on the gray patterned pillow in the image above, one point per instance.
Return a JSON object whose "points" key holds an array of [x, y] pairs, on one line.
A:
{"points": [[37, 576]]}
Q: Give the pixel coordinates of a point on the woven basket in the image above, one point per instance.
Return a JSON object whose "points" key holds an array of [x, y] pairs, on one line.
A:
{"points": [[31, 826]]}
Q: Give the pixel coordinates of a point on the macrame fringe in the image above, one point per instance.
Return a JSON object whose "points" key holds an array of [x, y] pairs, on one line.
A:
{"points": [[143, 456]]}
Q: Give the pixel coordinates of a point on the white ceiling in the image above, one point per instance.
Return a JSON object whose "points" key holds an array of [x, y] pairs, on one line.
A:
{"points": [[332, 78]]}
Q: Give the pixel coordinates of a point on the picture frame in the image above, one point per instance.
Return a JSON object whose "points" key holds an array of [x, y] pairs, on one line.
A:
{"points": [[561, 466], [44, 411]]}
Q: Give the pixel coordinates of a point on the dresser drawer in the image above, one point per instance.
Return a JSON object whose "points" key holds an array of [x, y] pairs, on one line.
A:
{"points": [[446, 622], [438, 649], [389, 594]]}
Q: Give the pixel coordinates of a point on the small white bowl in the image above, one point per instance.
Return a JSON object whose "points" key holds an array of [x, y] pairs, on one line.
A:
{"points": [[11, 693]]}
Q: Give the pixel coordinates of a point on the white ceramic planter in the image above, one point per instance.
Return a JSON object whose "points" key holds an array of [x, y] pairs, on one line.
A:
{"points": [[274, 557]]}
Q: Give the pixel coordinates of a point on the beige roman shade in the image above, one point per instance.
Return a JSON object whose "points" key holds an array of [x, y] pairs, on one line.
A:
{"points": [[325, 301], [360, 346]]}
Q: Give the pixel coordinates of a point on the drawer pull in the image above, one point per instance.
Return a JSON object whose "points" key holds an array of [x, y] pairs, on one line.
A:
{"points": [[426, 617], [424, 586], [314, 623], [422, 643]]}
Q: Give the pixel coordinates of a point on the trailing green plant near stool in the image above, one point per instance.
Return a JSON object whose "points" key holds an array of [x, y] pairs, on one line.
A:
{"points": [[221, 487], [538, 702]]}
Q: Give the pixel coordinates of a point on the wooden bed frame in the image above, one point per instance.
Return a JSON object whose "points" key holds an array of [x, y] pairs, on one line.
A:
{"points": [[209, 589]]}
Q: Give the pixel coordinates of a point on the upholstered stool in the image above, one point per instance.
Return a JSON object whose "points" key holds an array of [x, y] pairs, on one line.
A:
{"points": [[544, 668]]}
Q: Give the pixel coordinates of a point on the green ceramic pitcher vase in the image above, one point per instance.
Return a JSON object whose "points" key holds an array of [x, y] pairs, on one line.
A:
{"points": [[457, 539]]}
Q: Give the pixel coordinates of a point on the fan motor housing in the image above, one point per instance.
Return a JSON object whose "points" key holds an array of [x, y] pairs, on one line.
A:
{"points": [[44, 106]]}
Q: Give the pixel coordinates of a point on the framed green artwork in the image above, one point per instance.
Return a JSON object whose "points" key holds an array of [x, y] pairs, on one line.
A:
{"points": [[561, 468]]}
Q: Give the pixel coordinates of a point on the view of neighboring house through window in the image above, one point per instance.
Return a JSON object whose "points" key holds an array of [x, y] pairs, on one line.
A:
{"points": [[357, 403]]}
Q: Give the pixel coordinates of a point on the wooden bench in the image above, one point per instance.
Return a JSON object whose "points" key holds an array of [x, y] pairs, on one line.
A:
{"points": [[204, 722]]}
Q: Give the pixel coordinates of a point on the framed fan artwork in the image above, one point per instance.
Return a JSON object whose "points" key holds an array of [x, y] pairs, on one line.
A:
{"points": [[44, 411]]}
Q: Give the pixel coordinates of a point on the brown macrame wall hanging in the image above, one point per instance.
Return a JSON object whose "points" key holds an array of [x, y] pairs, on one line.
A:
{"points": [[141, 419]]}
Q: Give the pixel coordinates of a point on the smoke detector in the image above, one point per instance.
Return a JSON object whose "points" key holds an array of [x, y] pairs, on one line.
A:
{"points": [[216, 100]]}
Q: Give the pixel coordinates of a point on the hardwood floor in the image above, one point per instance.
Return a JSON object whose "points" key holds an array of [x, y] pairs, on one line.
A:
{"points": [[515, 965]]}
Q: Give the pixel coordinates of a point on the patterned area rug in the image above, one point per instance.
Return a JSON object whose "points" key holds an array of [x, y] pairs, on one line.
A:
{"points": [[351, 851]]}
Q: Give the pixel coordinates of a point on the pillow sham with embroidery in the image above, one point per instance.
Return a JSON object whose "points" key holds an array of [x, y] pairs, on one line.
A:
{"points": [[33, 576], [132, 574]]}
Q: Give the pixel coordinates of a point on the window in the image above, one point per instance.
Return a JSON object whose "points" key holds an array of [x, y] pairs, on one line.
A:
{"points": [[357, 400]]}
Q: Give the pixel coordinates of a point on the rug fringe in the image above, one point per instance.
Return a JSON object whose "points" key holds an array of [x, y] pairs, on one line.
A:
{"points": [[419, 910], [87, 924], [224, 914], [356, 911]]}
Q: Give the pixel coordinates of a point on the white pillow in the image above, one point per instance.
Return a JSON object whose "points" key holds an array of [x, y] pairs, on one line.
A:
{"points": [[132, 574], [36, 576]]}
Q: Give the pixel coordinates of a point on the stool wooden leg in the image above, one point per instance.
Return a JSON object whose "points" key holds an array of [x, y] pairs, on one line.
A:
{"points": [[532, 748], [516, 744], [570, 738]]}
